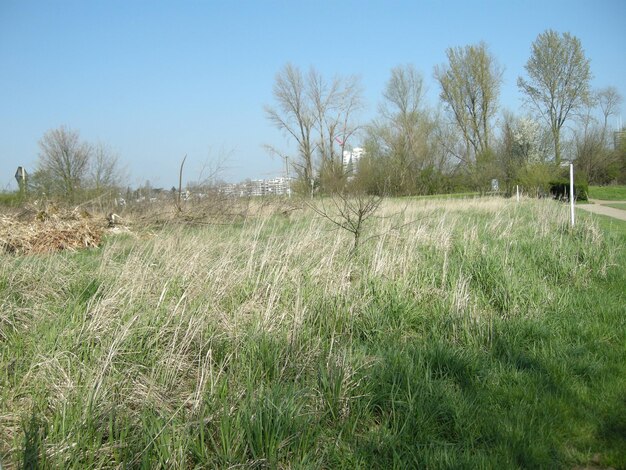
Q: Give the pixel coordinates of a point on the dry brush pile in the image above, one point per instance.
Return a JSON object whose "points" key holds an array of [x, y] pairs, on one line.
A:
{"points": [[49, 230]]}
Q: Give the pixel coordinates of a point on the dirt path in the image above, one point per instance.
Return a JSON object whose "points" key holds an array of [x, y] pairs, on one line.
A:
{"points": [[598, 207]]}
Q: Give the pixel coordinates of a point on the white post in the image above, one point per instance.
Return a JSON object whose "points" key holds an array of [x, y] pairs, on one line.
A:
{"points": [[517, 189], [571, 191]]}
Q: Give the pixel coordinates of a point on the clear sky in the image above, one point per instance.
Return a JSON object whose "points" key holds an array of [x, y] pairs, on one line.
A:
{"points": [[157, 80]]}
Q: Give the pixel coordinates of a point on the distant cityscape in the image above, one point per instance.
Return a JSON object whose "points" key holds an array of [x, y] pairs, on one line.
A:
{"points": [[281, 186], [276, 186]]}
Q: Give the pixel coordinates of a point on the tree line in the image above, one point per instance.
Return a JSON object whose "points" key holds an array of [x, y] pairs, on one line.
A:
{"points": [[410, 147], [465, 143]]}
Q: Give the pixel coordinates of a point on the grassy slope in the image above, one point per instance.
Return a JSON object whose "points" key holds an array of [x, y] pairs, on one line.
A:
{"points": [[481, 334], [608, 193], [621, 206]]}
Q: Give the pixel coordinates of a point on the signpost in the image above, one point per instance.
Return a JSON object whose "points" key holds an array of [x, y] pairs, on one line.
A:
{"points": [[571, 191], [20, 176]]}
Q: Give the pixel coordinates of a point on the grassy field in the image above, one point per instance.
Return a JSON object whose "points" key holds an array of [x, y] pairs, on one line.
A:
{"points": [[608, 193], [473, 333], [618, 205]]}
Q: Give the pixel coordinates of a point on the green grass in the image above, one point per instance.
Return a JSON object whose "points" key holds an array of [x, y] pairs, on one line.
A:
{"points": [[608, 193], [10, 199], [620, 205], [615, 227], [464, 334]]}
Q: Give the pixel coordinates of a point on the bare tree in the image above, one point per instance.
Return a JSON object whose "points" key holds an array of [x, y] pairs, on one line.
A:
{"points": [[403, 95], [592, 140], [334, 105], [295, 116], [349, 212], [104, 168], [593, 158], [470, 88], [318, 115], [63, 162], [558, 83], [609, 101]]}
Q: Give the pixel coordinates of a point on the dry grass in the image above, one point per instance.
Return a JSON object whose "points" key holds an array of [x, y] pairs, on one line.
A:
{"points": [[167, 323], [34, 231]]}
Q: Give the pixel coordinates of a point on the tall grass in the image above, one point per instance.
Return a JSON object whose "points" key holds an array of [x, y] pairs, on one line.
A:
{"points": [[469, 333]]}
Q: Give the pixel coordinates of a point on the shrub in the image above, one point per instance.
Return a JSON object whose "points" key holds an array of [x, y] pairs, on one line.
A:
{"points": [[559, 189], [535, 178]]}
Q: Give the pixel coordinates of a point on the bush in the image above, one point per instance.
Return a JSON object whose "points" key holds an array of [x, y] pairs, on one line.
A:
{"points": [[559, 189], [535, 178]]}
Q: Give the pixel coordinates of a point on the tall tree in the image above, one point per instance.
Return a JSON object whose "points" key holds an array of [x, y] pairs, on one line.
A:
{"points": [[470, 88], [404, 111], [63, 162], [334, 102], [595, 156], [400, 140], [558, 80], [608, 100], [294, 115], [318, 114], [104, 169]]}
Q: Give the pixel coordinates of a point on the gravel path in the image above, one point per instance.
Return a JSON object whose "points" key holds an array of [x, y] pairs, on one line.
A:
{"points": [[598, 207]]}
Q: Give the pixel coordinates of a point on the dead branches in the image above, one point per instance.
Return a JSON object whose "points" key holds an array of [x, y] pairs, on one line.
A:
{"points": [[48, 233]]}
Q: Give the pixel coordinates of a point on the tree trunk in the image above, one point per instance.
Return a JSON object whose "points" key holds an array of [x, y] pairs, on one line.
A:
{"points": [[557, 148]]}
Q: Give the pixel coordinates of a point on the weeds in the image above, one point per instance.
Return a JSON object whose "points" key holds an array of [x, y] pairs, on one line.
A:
{"points": [[476, 333]]}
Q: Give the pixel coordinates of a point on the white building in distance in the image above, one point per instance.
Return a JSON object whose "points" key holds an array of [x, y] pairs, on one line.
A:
{"points": [[280, 186], [352, 157], [270, 187]]}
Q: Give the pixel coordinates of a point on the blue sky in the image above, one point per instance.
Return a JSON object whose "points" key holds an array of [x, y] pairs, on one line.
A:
{"points": [[157, 80]]}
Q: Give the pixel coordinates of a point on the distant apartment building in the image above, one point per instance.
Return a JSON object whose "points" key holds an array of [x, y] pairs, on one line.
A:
{"points": [[351, 158], [269, 187], [280, 186]]}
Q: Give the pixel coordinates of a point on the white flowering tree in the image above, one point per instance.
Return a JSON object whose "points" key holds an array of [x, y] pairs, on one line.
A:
{"points": [[529, 141], [526, 154]]}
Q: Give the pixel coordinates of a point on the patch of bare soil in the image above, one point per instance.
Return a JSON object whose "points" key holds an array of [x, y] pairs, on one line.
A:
{"points": [[594, 464]]}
